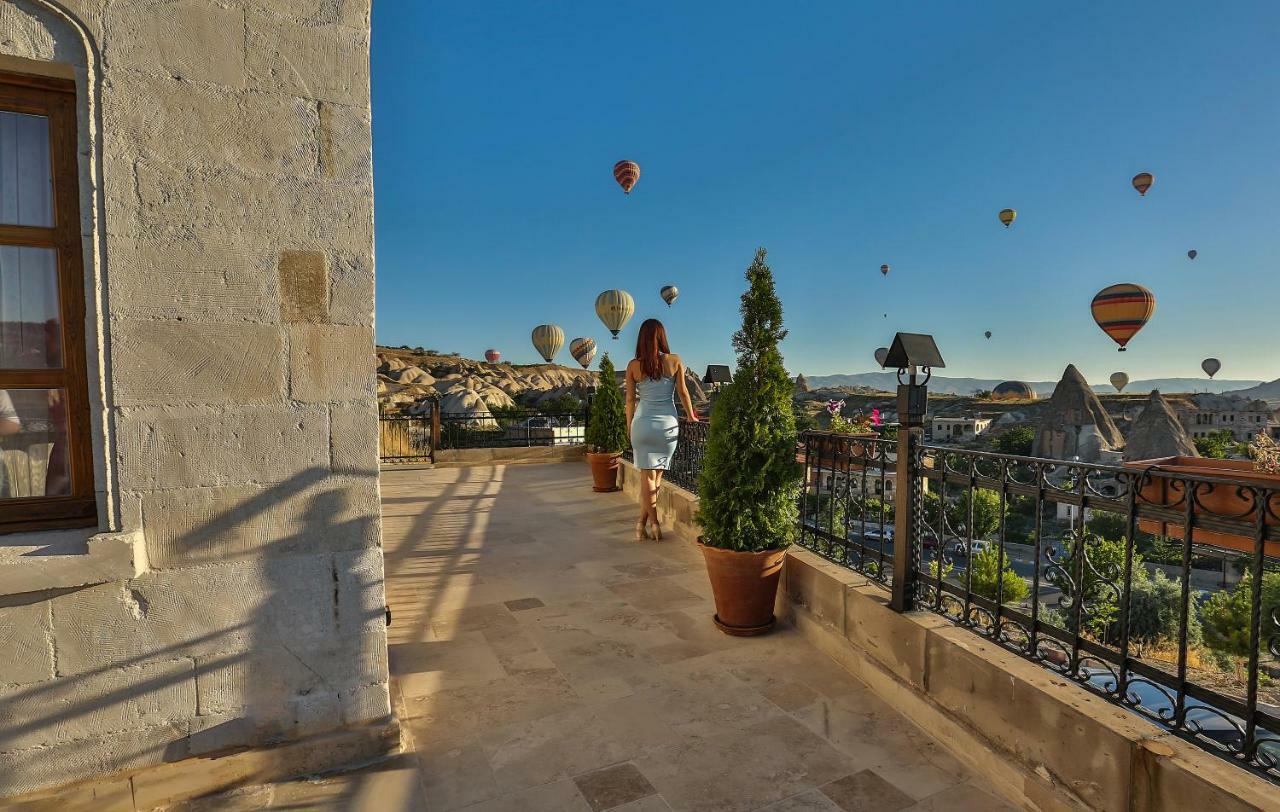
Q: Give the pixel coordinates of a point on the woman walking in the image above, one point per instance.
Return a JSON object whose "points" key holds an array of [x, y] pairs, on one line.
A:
{"points": [[653, 378]]}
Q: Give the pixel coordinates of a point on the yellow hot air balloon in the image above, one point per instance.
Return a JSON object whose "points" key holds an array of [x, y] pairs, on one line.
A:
{"points": [[1142, 182], [1122, 310], [547, 340], [1007, 216], [615, 308], [583, 350]]}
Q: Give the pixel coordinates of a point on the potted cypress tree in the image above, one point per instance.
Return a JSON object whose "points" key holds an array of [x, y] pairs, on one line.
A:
{"points": [[606, 430], [750, 482]]}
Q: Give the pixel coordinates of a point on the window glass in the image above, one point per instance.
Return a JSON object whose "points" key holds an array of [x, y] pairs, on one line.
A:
{"points": [[26, 182], [33, 443], [30, 324]]}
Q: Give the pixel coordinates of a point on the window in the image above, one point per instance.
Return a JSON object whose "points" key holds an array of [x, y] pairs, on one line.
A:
{"points": [[46, 479]]}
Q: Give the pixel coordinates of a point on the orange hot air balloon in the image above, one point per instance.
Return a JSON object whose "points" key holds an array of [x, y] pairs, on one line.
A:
{"points": [[1007, 216], [626, 173], [1142, 182], [1122, 310]]}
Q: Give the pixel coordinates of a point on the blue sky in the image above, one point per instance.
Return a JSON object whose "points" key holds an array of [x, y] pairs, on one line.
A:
{"points": [[840, 136]]}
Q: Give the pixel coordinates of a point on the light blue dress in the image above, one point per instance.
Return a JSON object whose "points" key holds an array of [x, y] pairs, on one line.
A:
{"points": [[655, 427]]}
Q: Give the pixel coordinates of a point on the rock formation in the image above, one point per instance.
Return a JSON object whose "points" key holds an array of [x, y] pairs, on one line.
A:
{"points": [[802, 386], [1158, 433], [1074, 424]]}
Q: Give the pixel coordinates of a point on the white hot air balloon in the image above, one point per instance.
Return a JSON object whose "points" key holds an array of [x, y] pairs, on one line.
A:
{"points": [[882, 354], [669, 294], [1119, 380], [547, 340], [615, 308]]}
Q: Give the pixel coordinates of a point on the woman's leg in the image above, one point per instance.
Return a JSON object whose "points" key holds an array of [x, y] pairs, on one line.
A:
{"points": [[645, 490], [655, 476]]}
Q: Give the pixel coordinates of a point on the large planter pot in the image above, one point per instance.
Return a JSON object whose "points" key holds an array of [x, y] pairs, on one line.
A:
{"points": [[604, 471], [1231, 499], [745, 586]]}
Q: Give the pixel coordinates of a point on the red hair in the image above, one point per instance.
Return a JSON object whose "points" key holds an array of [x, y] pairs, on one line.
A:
{"points": [[651, 345]]}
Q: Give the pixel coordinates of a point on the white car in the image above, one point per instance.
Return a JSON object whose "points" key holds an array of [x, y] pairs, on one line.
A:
{"points": [[978, 546], [874, 533]]}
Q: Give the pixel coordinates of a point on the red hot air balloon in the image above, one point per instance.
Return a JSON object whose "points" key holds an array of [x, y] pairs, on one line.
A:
{"points": [[492, 356], [1122, 310], [1142, 182], [626, 173]]}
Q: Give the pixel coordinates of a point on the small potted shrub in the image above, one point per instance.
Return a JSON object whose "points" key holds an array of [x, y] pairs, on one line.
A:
{"points": [[606, 430], [750, 482], [1236, 500]]}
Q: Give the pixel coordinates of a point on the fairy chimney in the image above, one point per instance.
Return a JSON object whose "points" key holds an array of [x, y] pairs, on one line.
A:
{"points": [[1158, 433], [1074, 424]]}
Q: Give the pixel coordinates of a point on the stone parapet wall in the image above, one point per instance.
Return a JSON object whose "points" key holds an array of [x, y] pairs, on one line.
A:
{"points": [[226, 186]]}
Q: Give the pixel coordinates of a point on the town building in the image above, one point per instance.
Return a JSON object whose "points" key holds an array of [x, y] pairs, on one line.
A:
{"points": [[1205, 414], [958, 429]]}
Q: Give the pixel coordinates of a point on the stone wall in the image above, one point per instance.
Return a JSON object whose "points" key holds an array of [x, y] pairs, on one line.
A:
{"points": [[226, 186]]}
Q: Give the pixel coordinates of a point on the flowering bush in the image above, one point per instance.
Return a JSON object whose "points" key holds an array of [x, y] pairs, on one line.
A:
{"points": [[843, 425], [1265, 453]]}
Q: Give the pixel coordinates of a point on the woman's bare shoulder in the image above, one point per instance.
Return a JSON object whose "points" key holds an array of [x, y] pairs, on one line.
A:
{"points": [[673, 361]]}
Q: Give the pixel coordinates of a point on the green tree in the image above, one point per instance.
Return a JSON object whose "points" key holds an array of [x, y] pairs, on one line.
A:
{"points": [[1225, 617], [1108, 525], [1017, 441], [1220, 445], [561, 404], [986, 513], [607, 425], [803, 417], [1155, 607], [1103, 573], [987, 577], [750, 482]]}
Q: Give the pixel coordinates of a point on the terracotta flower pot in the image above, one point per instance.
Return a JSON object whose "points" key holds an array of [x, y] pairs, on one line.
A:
{"points": [[745, 586], [604, 471], [1212, 500]]}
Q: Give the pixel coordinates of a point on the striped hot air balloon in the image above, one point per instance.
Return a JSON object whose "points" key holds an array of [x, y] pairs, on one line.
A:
{"points": [[492, 356], [1122, 310], [1142, 182], [1007, 216], [626, 173], [547, 340], [669, 294], [615, 308], [583, 350]]}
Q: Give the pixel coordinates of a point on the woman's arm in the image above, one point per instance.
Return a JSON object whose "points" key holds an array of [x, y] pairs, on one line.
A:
{"points": [[629, 386], [682, 389]]}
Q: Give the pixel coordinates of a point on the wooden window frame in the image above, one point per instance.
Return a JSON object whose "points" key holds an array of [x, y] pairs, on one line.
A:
{"points": [[56, 100]]}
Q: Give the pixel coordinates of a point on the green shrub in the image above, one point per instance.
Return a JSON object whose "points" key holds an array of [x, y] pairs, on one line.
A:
{"points": [[987, 577], [1017, 441], [607, 426], [1155, 609], [749, 487]]}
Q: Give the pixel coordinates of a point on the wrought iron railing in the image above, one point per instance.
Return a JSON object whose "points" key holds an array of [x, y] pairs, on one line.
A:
{"points": [[511, 429], [1050, 559], [417, 438], [404, 439]]}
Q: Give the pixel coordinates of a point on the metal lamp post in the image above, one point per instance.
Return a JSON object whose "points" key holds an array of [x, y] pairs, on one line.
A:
{"points": [[911, 354]]}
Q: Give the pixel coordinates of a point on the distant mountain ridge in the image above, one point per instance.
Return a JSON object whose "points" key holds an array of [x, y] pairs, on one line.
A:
{"points": [[1269, 391], [940, 384]]}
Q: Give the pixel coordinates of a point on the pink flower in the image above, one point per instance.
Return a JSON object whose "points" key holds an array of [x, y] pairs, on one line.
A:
{"points": [[875, 417]]}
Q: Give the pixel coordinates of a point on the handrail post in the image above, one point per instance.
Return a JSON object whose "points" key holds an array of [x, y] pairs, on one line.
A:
{"points": [[908, 507], [435, 429]]}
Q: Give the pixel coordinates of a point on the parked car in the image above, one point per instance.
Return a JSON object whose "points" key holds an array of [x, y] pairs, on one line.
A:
{"points": [[930, 543], [979, 546], [875, 534]]}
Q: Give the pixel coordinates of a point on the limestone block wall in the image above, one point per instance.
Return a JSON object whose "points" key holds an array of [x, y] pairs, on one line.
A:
{"points": [[226, 185]]}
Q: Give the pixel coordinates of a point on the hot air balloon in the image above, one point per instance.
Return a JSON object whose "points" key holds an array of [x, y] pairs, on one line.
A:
{"points": [[547, 340], [583, 350], [615, 307], [669, 294], [1192, 253], [1142, 182], [884, 270], [1211, 366], [1122, 310], [626, 173], [881, 355], [1119, 380], [492, 356], [988, 335], [1007, 216]]}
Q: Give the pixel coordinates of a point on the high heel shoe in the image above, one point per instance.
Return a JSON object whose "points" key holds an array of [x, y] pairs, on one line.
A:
{"points": [[655, 531], [642, 532]]}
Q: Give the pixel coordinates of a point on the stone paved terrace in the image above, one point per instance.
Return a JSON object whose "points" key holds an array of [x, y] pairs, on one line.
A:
{"points": [[542, 659]]}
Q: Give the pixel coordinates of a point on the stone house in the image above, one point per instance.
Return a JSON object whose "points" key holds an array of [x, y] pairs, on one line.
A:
{"points": [[190, 559], [1204, 414]]}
